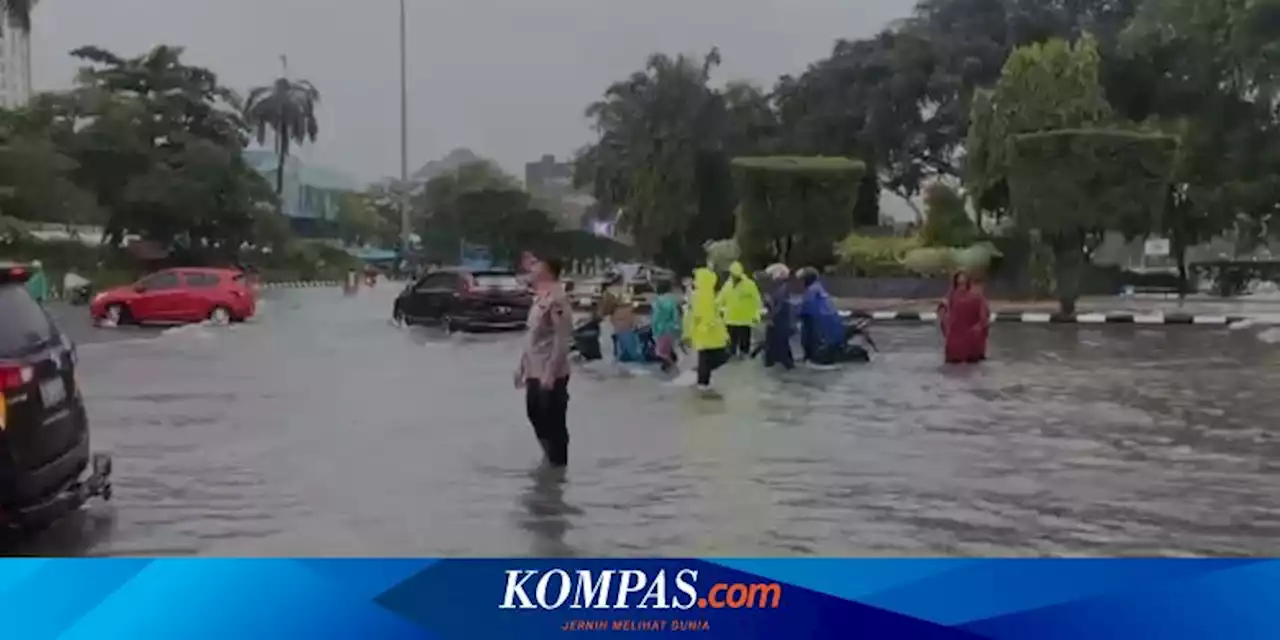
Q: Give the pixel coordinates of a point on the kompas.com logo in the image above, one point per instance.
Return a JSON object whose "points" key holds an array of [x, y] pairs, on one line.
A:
{"points": [[631, 589]]}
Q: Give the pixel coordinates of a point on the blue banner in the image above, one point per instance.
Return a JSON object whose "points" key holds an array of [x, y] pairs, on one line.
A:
{"points": [[194, 599]]}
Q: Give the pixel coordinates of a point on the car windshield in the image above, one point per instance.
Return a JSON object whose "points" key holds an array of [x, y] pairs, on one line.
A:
{"points": [[23, 325], [500, 281]]}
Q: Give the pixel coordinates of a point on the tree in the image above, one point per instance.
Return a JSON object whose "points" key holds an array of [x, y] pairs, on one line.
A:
{"points": [[946, 222], [661, 157], [368, 218], [1068, 184], [1206, 72], [160, 143], [791, 208], [288, 108]]}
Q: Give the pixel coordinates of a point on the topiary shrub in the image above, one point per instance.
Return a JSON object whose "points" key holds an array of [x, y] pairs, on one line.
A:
{"points": [[790, 208]]}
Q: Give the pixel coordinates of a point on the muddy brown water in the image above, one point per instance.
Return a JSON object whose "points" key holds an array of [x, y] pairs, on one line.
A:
{"points": [[318, 429]]}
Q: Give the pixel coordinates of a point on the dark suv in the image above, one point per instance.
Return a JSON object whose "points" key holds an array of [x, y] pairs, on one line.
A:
{"points": [[46, 469], [465, 300]]}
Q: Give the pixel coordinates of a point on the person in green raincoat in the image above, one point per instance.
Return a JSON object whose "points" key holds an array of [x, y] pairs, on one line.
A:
{"points": [[740, 301], [38, 283]]}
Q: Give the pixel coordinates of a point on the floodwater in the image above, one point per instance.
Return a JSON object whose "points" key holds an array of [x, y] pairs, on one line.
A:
{"points": [[319, 429]]}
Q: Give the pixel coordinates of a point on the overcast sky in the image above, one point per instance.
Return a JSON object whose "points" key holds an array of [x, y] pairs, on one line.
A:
{"points": [[507, 78]]}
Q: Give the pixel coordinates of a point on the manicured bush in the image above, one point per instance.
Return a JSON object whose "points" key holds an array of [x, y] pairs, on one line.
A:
{"points": [[1074, 179], [790, 208], [872, 256]]}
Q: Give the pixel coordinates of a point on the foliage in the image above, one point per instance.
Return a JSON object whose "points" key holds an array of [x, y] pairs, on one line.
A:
{"points": [[503, 220], [368, 218], [946, 221], [931, 261], [662, 156], [722, 253], [1042, 87], [160, 144], [436, 211], [791, 207], [1071, 184], [288, 108], [875, 256], [1207, 72], [1076, 179]]}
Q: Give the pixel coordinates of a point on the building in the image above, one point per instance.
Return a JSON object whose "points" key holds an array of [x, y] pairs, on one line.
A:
{"points": [[311, 193], [15, 65]]}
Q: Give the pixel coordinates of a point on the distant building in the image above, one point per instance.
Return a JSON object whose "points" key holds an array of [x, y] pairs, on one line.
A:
{"points": [[15, 65], [311, 192]]}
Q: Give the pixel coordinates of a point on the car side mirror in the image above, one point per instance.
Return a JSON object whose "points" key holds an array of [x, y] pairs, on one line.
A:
{"points": [[140, 288]]}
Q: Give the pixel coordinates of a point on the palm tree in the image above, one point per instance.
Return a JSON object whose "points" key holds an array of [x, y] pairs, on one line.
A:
{"points": [[19, 12], [288, 108]]}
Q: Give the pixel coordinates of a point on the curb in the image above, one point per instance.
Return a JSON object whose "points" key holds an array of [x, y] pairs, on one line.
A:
{"points": [[1057, 318], [301, 285]]}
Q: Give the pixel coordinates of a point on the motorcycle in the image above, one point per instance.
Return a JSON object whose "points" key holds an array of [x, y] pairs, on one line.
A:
{"points": [[77, 290]]}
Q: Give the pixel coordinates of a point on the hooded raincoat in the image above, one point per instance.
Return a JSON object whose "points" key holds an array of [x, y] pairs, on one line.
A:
{"points": [[740, 299], [821, 325], [704, 327]]}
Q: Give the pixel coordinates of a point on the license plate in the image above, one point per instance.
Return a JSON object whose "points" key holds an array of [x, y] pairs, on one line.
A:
{"points": [[53, 392]]}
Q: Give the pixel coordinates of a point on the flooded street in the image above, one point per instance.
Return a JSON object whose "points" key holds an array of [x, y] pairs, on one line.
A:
{"points": [[318, 429]]}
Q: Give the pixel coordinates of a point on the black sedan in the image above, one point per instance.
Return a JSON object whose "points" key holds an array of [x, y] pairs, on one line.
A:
{"points": [[465, 300]]}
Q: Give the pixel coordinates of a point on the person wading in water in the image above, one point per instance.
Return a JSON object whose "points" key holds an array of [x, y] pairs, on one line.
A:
{"points": [[544, 365], [965, 320]]}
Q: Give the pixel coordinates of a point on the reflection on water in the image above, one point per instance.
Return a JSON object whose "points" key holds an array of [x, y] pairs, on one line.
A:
{"points": [[319, 429], [547, 518]]}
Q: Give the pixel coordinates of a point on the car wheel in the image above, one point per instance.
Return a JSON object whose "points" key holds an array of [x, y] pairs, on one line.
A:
{"points": [[450, 325], [220, 316], [114, 315]]}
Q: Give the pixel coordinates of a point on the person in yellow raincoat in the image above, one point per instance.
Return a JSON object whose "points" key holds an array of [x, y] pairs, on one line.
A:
{"points": [[740, 301], [704, 328]]}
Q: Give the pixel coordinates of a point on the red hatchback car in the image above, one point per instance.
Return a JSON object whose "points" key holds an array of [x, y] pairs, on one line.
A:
{"points": [[178, 296]]}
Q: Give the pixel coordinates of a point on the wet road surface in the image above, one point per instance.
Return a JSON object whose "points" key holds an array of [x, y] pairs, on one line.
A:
{"points": [[318, 429]]}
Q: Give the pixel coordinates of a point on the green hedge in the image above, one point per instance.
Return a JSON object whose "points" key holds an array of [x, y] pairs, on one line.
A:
{"points": [[1073, 179], [794, 209]]}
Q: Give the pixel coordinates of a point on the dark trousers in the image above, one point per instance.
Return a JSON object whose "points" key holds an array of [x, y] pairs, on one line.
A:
{"points": [[777, 347], [808, 338], [739, 339], [547, 409], [709, 360]]}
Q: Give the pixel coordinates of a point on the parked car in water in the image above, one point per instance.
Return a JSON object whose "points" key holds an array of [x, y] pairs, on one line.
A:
{"points": [[462, 299], [46, 468], [176, 296]]}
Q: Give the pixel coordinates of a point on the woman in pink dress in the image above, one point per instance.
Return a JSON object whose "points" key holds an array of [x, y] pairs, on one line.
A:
{"points": [[965, 320]]}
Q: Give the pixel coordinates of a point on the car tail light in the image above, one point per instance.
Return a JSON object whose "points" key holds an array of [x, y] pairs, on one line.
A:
{"points": [[13, 376]]}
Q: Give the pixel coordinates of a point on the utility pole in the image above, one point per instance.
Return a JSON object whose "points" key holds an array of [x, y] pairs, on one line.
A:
{"points": [[404, 141]]}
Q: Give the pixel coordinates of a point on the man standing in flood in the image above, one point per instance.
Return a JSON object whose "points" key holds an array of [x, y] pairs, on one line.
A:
{"points": [[544, 364]]}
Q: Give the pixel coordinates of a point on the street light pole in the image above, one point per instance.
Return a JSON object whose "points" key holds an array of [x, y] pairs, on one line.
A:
{"points": [[404, 141]]}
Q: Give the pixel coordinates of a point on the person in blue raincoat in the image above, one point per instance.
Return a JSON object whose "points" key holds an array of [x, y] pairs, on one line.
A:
{"points": [[822, 333]]}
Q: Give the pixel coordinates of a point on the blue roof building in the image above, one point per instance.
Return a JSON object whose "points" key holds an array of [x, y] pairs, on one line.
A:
{"points": [[311, 192]]}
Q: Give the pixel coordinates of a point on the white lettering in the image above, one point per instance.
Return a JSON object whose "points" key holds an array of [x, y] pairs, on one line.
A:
{"points": [[515, 589], [686, 587], [657, 591], [541, 591], [585, 591], [632, 582]]}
